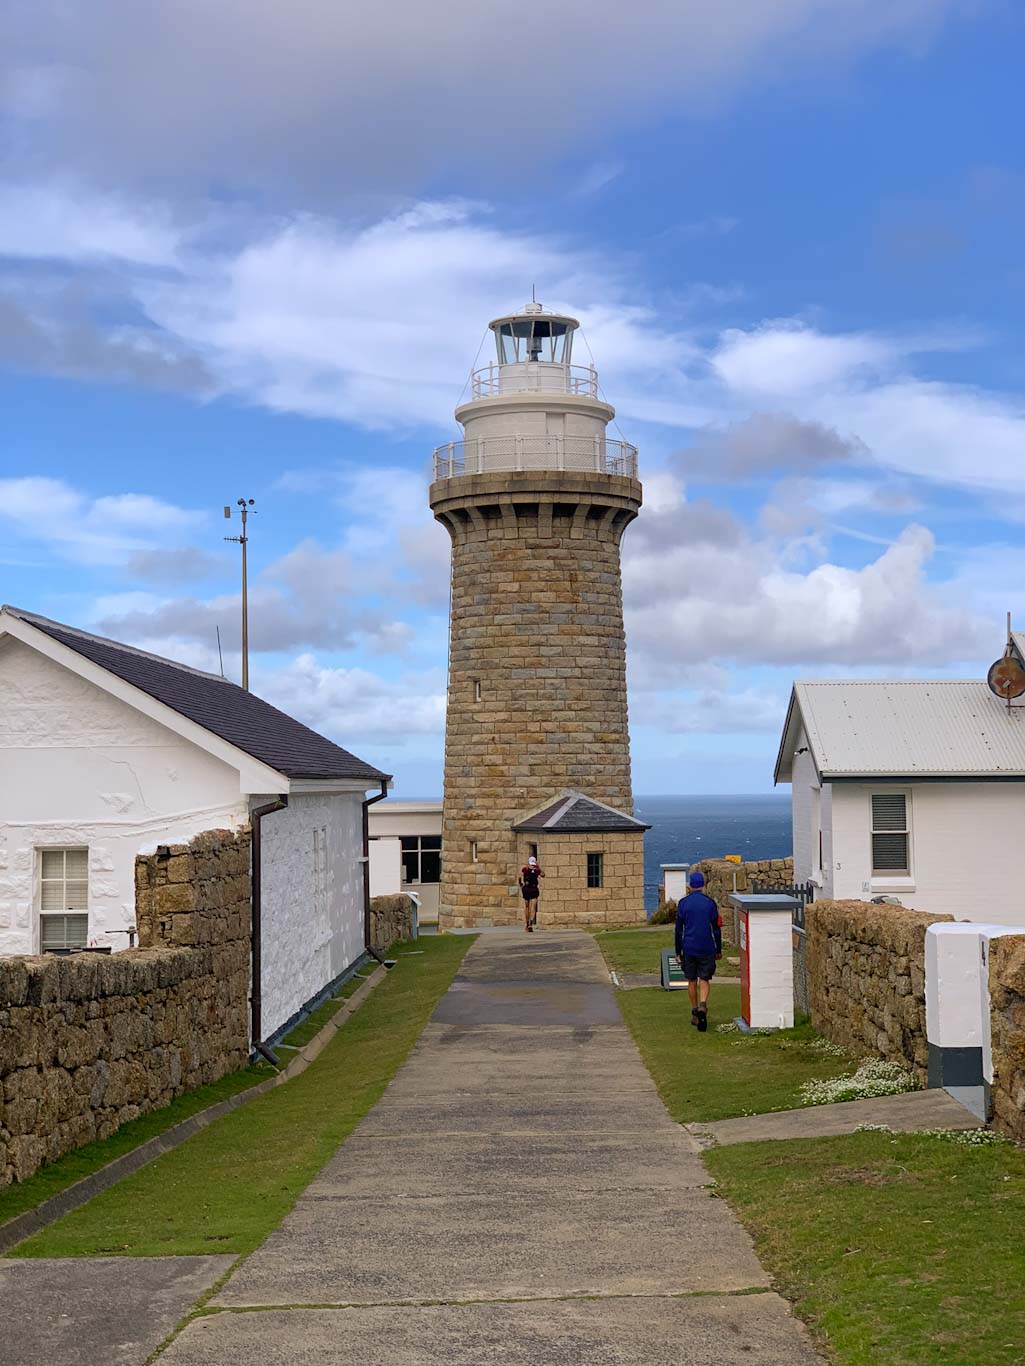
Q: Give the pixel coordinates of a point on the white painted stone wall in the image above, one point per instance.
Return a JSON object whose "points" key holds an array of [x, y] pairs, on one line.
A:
{"points": [[312, 900], [965, 849], [771, 969], [811, 807], [80, 768]]}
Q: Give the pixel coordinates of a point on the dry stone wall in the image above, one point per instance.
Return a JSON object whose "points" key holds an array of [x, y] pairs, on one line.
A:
{"points": [[391, 919], [537, 675], [89, 1042], [723, 878], [866, 978], [1007, 1026]]}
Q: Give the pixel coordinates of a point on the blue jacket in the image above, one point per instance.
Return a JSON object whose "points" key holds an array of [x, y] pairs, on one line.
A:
{"points": [[698, 927]]}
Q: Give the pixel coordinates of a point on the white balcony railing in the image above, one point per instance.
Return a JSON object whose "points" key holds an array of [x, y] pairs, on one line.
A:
{"points": [[507, 454], [535, 377]]}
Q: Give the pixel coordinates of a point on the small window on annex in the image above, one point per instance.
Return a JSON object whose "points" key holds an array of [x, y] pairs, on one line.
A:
{"points": [[891, 853], [421, 858], [538, 339], [595, 870], [63, 899]]}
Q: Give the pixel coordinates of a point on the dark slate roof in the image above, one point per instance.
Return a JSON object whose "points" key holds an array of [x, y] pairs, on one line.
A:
{"points": [[221, 707], [573, 812]]}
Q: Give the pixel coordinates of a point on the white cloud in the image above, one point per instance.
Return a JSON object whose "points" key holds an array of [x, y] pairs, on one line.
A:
{"points": [[354, 705], [88, 530], [763, 444], [77, 224], [699, 585]]}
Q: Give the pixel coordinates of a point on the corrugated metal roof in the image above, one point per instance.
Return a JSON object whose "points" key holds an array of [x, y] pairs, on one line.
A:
{"points": [[908, 728]]}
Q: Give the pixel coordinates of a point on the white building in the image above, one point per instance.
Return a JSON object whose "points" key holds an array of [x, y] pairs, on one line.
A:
{"points": [[914, 789], [405, 853], [106, 751]]}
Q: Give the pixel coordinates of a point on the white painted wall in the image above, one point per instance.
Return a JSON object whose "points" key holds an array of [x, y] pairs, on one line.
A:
{"points": [[965, 849], [312, 918], [771, 969], [80, 768], [385, 866]]}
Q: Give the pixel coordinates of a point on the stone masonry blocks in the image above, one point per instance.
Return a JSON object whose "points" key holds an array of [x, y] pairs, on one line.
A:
{"points": [[89, 1042], [537, 678]]}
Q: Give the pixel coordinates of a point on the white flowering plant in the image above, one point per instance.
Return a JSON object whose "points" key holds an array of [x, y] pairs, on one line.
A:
{"points": [[874, 1077]]}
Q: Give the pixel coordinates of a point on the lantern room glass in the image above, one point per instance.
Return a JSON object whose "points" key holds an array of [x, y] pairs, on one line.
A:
{"points": [[534, 339]]}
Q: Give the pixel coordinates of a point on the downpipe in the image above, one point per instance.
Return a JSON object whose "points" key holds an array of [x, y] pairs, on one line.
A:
{"points": [[256, 1002], [368, 802]]}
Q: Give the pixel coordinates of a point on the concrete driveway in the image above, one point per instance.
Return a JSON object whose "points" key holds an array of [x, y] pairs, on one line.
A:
{"points": [[519, 1195]]}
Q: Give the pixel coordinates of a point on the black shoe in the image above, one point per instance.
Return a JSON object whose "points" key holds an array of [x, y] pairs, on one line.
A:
{"points": [[702, 1021], [694, 1015]]}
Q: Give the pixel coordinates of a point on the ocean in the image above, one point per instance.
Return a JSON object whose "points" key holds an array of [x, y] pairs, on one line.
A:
{"points": [[687, 829]]}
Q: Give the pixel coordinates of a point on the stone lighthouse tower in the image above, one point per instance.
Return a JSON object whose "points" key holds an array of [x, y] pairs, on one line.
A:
{"points": [[537, 749]]}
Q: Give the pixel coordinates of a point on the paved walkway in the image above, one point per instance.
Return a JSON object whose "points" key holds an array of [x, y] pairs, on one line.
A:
{"points": [[519, 1194], [908, 1113]]}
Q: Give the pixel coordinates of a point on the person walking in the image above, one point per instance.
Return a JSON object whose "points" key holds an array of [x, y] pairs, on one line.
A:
{"points": [[531, 889], [698, 946]]}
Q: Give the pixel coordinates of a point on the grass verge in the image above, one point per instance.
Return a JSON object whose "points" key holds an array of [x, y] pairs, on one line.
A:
{"points": [[634, 950], [895, 1248], [228, 1187], [85, 1161], [710, 1076]]}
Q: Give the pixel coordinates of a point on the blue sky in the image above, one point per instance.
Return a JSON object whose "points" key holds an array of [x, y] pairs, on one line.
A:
{"points": [[258, 258]]}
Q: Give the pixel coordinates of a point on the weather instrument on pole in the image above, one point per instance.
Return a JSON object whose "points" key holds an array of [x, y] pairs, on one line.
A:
{"points": [[245, 506], [1006, 678]]}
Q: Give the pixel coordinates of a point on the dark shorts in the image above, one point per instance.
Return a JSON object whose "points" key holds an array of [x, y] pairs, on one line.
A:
{"points": [[529, 893], [696, 967]]}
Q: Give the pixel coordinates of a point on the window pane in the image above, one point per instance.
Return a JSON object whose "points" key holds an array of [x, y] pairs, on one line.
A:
{"points": [[430, 867], [63, 932], [430, 841], [76, 863], [889, 811], [889, 853], [51, 896], [594, 870], [410, 867], [51, 863], [76, 896], [409, 842]]}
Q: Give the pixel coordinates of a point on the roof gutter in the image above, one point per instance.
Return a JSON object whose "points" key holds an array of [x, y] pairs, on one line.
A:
{"points": [[256, 1002], [368, 802]]}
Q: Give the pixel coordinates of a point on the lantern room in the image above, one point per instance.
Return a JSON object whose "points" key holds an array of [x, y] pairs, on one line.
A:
{"points": [[534, 350]]}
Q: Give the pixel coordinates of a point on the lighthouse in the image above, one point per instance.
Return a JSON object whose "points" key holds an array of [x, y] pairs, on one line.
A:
{"points": [[536, 498]]}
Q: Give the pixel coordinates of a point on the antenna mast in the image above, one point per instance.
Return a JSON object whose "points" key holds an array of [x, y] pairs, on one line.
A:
{"points": [[245, 505]]}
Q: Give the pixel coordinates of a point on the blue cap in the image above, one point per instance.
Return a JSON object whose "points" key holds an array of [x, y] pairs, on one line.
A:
{"points": [[696, 880]]}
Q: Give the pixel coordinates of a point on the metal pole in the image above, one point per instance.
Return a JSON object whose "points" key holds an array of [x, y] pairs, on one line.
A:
{"points": [[245, 607]]}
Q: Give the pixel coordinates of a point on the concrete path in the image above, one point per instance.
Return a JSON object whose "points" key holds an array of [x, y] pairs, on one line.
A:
{"points": [[519, 1194], [97, 1311], [908, 1113]]}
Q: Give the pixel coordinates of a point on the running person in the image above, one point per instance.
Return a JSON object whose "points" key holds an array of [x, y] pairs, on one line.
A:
{"points": [[698, 946], [528, 881]]}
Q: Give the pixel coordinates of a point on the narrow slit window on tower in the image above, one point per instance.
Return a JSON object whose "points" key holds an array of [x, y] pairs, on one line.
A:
{"points": [[594, 870], [476, 690], [473, 851]]}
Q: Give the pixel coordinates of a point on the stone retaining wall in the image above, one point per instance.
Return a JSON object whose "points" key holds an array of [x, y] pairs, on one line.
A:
{"points": [[89, 1042], [722, 878], [866, 978], [391, 919], [1007, 1023]]}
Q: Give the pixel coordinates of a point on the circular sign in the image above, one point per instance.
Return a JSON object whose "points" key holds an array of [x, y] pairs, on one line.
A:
{"points": [[1006, 678]]}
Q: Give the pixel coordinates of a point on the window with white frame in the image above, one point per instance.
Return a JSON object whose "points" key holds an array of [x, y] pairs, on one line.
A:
{"points": [[63, 899], [891, 835], [421, 858]]}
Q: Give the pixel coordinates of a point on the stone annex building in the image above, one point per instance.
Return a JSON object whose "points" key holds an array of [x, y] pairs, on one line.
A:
{"points": [[537, 749]]}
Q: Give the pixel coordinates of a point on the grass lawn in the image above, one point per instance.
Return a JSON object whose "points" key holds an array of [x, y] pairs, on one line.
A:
{"points": [[83, 1162], [896, 1248], [634, 950], [228, 1187], [717, 1076]]}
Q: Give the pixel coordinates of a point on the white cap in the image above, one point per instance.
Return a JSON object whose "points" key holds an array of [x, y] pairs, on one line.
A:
{"points": [[532, 859]]}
